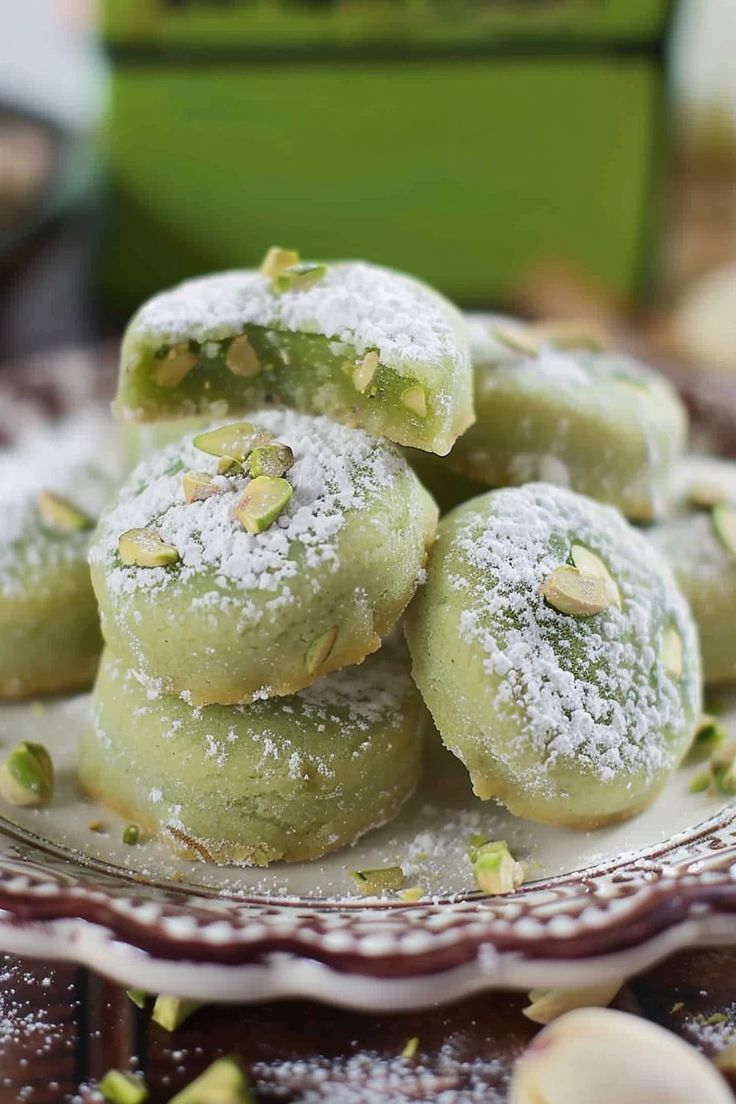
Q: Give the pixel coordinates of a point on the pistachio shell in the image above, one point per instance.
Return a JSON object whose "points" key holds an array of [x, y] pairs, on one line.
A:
{"points": [[365, 371], [599, 1056], [27, 775], [724, 524], [548, 1004], [198, 486], [590, 564], [277, 260], [171, 1012], [145, 548], [298, 277], [235, 441], [371, 883], [177, 364], [221, 1083], [263, 500], [241, 358], [414, 399], [577, 593], [275, 460], [60, 514], [319, 650], [670, 652]]}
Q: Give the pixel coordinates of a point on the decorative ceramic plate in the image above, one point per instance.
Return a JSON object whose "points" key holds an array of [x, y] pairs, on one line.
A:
{"points": [[596, 905]]}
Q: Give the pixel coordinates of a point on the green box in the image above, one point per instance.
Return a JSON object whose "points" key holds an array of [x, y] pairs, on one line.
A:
{"points": [[464, 142]]}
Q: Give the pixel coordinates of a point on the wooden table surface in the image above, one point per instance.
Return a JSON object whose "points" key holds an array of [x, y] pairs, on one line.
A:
{"points": [[62, 1027]]}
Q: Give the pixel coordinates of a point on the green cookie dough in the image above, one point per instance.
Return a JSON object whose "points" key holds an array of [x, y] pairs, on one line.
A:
{"points": [[287, 779], [51, 496], [236, 615], [600, 423], [365, 345], [575, 717], [697, 545]]}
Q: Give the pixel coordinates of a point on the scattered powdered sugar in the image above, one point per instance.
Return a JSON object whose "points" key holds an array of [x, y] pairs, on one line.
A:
{"points": [[449, 1077], [336, 471], [359, 305], [590, 690]]}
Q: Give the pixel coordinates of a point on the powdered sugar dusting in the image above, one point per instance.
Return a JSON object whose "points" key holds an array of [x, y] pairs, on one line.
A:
{"points": [[355, 304], [589, 690], [336, 470]]}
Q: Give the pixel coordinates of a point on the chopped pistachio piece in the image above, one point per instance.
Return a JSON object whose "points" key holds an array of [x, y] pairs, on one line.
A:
{"points": [[412, 894], [496, 870], [96, 826], [371, 883], [590, 564], [241, 358], [364, 373], [575, 592], [27, 775], [415, 400], [518, 338], [198, 486], [275, 460], [670, 652], [724, 523], [221, 1083], [263, 500], [171, 1012], [278, 260], [701, 782], [319, 650], [123, 1088], [131, 834], [410, 1050], [228, 465], [137, 996], [704, 496], [177, 364], [145, 548], [547, 1004], [709, 734], [298, 277], [59, 513], [235, 441]]}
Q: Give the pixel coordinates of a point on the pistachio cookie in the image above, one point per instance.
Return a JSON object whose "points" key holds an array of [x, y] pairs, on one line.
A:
{"points": [[699, 540], [247, 561], [287, 779], [51, 496], [556, 654], [598, 422], [365, 345]]}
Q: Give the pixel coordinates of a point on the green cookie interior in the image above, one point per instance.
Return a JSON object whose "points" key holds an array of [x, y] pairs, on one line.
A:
{"points": [[574, 720], [243, 616], [287, 779], [600, 423], [304, 348]]}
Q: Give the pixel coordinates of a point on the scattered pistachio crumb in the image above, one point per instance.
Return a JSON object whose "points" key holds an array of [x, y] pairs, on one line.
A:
{"points": [[411, 1048], [264, 499], [278, 260], [27, 775], [716, 1018], [700, 783], [123, 1088], [708, 735], [171, 1012], [372, 883], [223, 1082], [677, 1006], [412, 894], [495, 869], [145, 548], [137, 996], [97, 826], [547, 1005], [298, 277], [131, 834], [60, 514], [274, 460]]}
